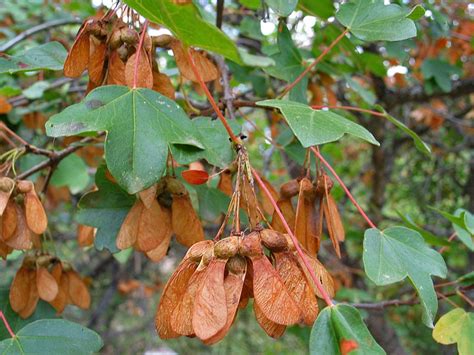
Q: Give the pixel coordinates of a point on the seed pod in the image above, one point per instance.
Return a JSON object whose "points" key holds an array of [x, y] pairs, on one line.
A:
{"points": [[129, 36], [20, 289], [78, 56], [272, 329], [185, 222], [173, 292], [35, 215], [6, 188], [116, 69], [206, 68], [196, 251], [225, 182], [226, 248], [286, 208], [32, 297], [160, 251], [115, 40], [250, 245], [273, 240], [9, 221], [233, 284], [162, 84], [143, 71], [97, 60], [210, 309], [289, 189], [333, 222], [61, 300], [21, 238], [78, 292], [46, 284], [307, 218], [148, 195], [162, 40]]}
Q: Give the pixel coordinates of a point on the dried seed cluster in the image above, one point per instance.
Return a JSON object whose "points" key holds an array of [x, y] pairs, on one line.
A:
{"points": [[47, 278], [161, 211], [215, 279], [22, 216]]}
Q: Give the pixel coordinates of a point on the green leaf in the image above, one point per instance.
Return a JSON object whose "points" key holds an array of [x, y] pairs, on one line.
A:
{"points": [[460, 221], [314, 127], [215, 140], [321, 8], [282, 8], [289, 65], [416, 13], [440, 71], [374, 21], [187, 24], [71, 172], [253, 60], [395, 253], [49, 56], [338, 324], [36, 90], [52, 336], [212, 202], [429, 237], [141, 125], [43, 311], [105, 209], [457, 326], [419, 143]]}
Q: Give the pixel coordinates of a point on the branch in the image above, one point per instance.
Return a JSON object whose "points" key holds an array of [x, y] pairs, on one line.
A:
{"points": [[31, 31], [56, 157]]}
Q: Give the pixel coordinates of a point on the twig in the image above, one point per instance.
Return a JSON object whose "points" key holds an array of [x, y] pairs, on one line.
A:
{"points": [[219, 13], [35, 29], [300, 252], [312, 65], [228, 95], [450, 239], [56, 158], [7, 325]]}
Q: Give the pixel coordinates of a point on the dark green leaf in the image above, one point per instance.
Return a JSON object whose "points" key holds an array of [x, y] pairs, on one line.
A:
{"points": [[314, 127], [141, 125], [321, 8], [215, 140], [419, 144], [52, 336], [375, 21], [48, 56], [338, 325], [440, 71], [458, 220], [183, 21], [289, 65], [105, 209], [71, 172], [43, 311], [282, 8], [456, 326], [416, 13], [429, 237], [395, 253]]}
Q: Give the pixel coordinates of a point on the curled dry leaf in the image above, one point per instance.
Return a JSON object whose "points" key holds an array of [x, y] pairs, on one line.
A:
{"points": [[163, 85], [46, 285], [173, 292], [143, 70], [206, 68], [78, 292], [6, 188], [35, 214], [210, 308], [20, 290], [85, 235], [185, 222], [78, 57], [272, 329], [333, 220]]}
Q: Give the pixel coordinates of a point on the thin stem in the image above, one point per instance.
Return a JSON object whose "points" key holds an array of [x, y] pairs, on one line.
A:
{"points": [[312, 65], [344, 187], [211, 99], [450, 239], [139, 52], [7, 325], [300, 252], [349, 108]]}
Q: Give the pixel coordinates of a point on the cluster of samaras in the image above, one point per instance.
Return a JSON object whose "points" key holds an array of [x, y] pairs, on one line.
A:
{"points": [[47, 278], [22, 216], [109, 48], [159, 212], [216, 278]]}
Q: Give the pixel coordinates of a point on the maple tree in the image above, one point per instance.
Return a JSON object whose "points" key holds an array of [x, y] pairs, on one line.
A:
{"points": [[227, 153]]}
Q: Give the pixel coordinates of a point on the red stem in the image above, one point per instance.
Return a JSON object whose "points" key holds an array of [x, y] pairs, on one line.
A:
{"points": [[10, 331], [300, 252], [139, 52], [211, 99], [349, 108], [348, 193], [312, 65]]}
